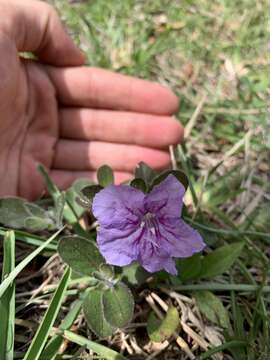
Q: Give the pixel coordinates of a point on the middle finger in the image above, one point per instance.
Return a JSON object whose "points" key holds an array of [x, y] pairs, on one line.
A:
{"points": [[119, 127]]}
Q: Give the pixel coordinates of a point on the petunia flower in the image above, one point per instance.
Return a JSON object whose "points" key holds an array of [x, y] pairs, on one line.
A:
{"points": [[134, 226]]}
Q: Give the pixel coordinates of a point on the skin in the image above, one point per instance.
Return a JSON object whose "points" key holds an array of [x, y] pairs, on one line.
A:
{"points": [[67, 116]]}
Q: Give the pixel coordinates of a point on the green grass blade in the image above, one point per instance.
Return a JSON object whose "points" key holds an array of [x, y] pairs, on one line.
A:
{"points": [[221, 287], [188, 172], [10, 278], [42, 333], [101, 350], [225, 346], [55, 342], [30, 239], [7, 301]]}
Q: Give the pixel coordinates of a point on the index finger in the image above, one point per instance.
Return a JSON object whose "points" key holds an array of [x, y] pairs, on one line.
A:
{"points": [[99, 88]]}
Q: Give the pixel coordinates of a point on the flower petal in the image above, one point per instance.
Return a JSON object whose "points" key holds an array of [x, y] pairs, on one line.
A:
{"points": [[179, 239], [170, 267], [159, 263], [119, 247], [154, 258], [118, 206], [166, 198]]}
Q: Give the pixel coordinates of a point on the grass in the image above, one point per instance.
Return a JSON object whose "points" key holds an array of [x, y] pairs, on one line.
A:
{"points": [[215, 56]]}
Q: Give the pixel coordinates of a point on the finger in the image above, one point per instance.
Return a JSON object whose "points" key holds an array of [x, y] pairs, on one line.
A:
{"points": [[120, 127], [34, 26], [64, 179], [98, 88], [83, 155]]}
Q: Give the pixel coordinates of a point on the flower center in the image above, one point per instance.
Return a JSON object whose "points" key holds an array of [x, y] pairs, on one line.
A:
{"points": [[149, 221]]}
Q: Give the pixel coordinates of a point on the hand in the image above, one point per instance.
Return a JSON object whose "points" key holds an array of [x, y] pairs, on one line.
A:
{"points": [[68, 117]]}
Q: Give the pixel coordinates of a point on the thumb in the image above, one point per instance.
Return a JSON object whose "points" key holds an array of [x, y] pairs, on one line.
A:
{"points": [[34, 26]]}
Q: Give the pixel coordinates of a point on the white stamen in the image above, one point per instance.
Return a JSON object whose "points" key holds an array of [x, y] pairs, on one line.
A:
{"points": [[148, 221]]}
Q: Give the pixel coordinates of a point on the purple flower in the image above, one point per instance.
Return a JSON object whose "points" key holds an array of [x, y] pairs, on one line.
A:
{"points": [[144, 227]]}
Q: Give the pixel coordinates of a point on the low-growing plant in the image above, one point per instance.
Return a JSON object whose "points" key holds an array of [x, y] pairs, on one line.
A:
{"points": [[139, 234]]}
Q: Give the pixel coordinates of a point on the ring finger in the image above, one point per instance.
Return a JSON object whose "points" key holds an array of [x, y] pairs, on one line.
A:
{"points": [[120, 127]]}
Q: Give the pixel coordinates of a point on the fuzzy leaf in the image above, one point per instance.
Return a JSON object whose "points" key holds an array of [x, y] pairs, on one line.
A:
{"points": [[34, 223], [221, 259], [118, 305], [189, 268], [160, 330], [139, 184], [13, 212], [94, 313], [80, 254], [106, 271], [105, 176], [18, 213], [35, 210], [134, 274], [212, 308], [87, 194], [145, 172], [74, 193]]}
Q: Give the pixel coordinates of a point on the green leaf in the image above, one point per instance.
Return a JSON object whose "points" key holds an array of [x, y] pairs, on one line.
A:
{"points": [[74, 193], [189, 268], [69, 213], [118, 305], [212, 308], [179, 175], [42, 333], [105, 176], [160, 330], [94, 313], [35, 210], [146, 173], [99, 349], [139, 184], [80, 253], [35, 223], [9, 279], [7, 300], [87, 194], [106, 272], [134, 274], [18, 213], [13, 212], [221, 259]]}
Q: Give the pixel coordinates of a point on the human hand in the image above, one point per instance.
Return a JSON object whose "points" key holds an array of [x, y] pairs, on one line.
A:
{"points": [[68, 117]]}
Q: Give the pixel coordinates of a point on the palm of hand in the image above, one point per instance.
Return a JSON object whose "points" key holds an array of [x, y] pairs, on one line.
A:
{"points": [[29, 127], [72, 119]]}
